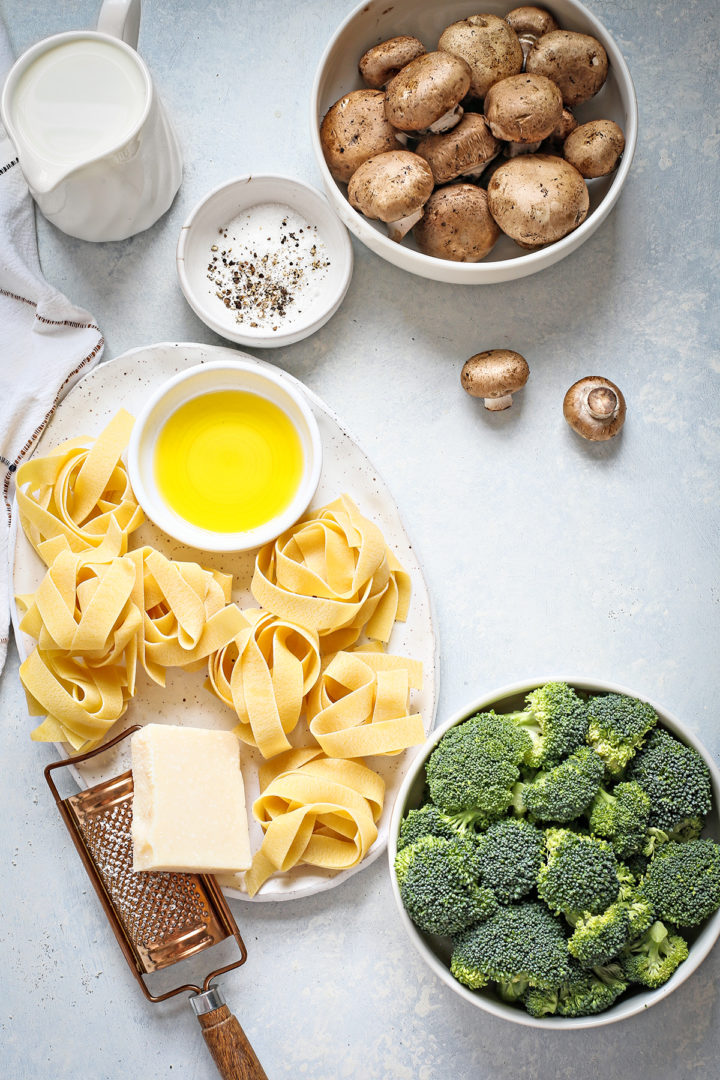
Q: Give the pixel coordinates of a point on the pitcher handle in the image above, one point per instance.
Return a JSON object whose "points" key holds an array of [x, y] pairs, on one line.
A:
{"points": [[121, 19]]}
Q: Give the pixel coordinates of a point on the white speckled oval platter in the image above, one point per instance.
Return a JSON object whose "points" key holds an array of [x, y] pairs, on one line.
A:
{"points": [[126, 382]]}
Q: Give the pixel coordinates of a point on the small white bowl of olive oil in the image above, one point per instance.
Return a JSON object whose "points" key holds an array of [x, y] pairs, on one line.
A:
{"points": [[225, 456]]}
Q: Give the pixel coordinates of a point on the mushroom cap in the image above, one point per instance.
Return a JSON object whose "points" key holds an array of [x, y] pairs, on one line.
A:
{"points": [[488, 45], [537, 198], [468, 146], [577, 63], [595, 408], [494, 373], [457, 224], [391, 185], [425, 90], [530, 22], [382, 62], [523, 108], [594, 148], [354, 129]]}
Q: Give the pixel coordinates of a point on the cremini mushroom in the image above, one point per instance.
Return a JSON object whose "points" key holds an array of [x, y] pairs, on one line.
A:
{"points": [[425, 96], [595, 408], [495, 375], [354, 129], [556, 138], [537, 199], [463, 151], [522, 110], [577, 63], [392, 187], [488, 45], [457, 224], [381, 63], [530, 23], [594, 148]]}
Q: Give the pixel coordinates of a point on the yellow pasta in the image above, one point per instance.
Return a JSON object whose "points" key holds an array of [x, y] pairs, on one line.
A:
{"points": [[315, 810], [264, 674], [79, 491], [333, 573], [359, 706]]}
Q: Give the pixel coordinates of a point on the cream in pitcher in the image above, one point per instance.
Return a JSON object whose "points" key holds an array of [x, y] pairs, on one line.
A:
{"points": [[95, 146]]}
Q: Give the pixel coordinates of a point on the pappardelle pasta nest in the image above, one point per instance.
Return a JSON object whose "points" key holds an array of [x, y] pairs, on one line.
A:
{"points": [[329, 592]]}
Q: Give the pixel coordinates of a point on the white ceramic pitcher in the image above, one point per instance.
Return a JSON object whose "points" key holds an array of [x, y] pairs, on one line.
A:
{"points": [[107, 188]]}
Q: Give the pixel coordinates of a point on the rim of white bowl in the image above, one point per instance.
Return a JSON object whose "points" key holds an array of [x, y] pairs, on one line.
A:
{"points": [[503, 269], [642, 1000], [342, 274], [205, 539]]}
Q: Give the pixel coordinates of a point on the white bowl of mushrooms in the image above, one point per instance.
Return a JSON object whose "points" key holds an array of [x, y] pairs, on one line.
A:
{"points": [[473, 143]]}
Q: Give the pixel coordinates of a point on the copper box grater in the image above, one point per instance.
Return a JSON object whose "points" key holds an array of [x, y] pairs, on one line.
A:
{"points": [[158, 918]]}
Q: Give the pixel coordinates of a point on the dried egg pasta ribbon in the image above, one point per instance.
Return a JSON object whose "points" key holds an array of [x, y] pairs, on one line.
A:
{"points": [[359, 706], [80, 491], [333, 573], [315, 813], [264, 675], [185, 612]]}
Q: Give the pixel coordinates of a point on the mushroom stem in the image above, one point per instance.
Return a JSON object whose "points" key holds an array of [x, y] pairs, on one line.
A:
{"points": [[497, 404], [398, 229], [515, 149], [602, 403], [445, 122]]}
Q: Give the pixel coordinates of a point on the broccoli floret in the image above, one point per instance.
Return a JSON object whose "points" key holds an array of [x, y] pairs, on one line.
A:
{"points": [[621, 816], [438, 885], [683, 881], [675, 777], [597, 939], [427, 821], [584, 993], [590, 992], [618, 726], [509, 857], [520, 945], [580, 875], [473, 768], [430, 821], [565, 791], [689, 829], [653, 958], [640, 911], [556, 720]]}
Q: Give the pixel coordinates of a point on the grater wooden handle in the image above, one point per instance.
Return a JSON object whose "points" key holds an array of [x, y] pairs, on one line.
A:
{"points": [[228, 1045]]}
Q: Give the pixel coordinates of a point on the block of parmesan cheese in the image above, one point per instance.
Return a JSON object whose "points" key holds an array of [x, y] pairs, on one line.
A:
{"points": [[189, 801]]}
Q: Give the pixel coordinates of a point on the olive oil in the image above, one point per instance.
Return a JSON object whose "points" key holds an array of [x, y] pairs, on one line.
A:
{"points": [[228, 461]]}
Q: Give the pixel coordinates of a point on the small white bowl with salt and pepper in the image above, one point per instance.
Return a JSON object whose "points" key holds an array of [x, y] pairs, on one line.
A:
{"points": [[264, 261]]}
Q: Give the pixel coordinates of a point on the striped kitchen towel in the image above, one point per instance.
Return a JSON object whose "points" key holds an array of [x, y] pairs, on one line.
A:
{"points": [[46, 343]]}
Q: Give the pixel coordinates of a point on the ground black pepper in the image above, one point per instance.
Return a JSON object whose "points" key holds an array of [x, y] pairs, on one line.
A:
{"points": [[261, 279]]}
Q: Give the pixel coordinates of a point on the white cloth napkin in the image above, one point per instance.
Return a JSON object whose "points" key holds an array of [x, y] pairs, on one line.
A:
{"points": [[46, 343]]}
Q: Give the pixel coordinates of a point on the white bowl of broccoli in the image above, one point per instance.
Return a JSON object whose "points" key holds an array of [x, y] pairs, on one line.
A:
{"points": [[556, 859]]}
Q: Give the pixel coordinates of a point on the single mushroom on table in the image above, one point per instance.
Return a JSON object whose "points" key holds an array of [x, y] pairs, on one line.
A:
{"points": [[488, 45], [522, 110], [464, 151], [577, 63], [392, 187], [457, 224], [537, 199], [425, 96], [355, 129], [382, 63], [595, 408], [495, 375], [594, 148], [530, 23]]}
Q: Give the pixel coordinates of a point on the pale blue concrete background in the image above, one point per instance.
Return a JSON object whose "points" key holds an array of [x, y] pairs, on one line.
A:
{"points": [[543, 554]]}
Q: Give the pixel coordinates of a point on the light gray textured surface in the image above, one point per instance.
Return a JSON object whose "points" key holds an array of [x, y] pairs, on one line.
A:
{"points": [[543, 554]]}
